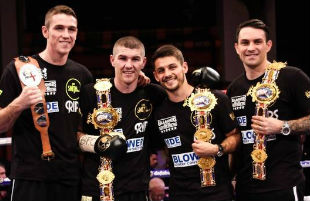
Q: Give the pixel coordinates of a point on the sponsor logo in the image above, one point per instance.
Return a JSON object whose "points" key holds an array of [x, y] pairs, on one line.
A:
{"points": [[238, 102], [52, 107], [248, 136], [73, 87], [50, 86], [167, 124], [135, 144], [242, 120], [140, 127], [143, 109], [273, 114], [72, 106], [184, 159], [44, 73], [173, 142]]}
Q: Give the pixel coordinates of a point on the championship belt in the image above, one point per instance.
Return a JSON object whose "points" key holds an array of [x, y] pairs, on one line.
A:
{"points": [[29, 74], [264, 94], [201, 103], [105, 118]]}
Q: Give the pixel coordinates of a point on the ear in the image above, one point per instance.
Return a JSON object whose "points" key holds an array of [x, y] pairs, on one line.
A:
{"points": [[155, 76], [144, 62], [237, 48], [112, 59], [269, 45], [185, 67], [44, 31]]}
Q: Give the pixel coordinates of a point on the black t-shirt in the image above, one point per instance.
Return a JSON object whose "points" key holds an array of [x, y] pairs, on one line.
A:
{"points": [[284, 152], [174, 123], [63, 85], [132, 170]]}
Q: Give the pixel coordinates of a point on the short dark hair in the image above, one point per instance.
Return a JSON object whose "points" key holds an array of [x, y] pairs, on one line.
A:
{"points": [[254, 23], [60, 9], [166, 51]]}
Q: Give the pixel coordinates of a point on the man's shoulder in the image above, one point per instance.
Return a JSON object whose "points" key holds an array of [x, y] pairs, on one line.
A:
{"points": [[219, 94], [156, 93], [239, 79], [76, 65]]}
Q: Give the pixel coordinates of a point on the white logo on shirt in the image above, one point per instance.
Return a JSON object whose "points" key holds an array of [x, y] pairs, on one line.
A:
{"points": [[184, 159], [173, 142], [52, 107], [72, 106], [135, 144], [238, 102], [140, 127], [50, 87], [242, 121], [167, 124]]}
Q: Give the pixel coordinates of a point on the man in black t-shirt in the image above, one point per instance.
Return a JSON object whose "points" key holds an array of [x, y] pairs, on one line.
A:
{"points": [[56, 179], [285, 118], [176, 125], [134, 105]]}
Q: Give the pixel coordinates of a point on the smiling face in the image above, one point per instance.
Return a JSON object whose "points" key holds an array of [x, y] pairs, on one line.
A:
{"points": [[170, 73], [60, 33], [252, 47], [127, 63]]}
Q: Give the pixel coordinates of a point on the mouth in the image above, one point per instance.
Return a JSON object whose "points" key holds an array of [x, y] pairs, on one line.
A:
{"points": [[128, 72], [65, 42], [168, 80], [251, 55]]}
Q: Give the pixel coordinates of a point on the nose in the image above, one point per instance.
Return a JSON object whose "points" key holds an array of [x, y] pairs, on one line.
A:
{"points": [[251, 46], [167, 73], [65, 33], [128, 63]]}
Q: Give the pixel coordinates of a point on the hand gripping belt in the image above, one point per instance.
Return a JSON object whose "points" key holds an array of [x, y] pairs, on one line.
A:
{"points": [[38, 110]]}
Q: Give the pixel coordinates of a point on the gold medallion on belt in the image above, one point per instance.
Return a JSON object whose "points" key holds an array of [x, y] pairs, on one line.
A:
{"points": [[259, 155], [206, 162]]}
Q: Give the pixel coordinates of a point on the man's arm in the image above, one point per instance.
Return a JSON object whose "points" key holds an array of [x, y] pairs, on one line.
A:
{"points": [[9, 114], [231, 141], [269, 125], [229, 144], [301, 125]]}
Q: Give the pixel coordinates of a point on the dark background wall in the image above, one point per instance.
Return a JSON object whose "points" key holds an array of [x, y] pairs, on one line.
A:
{"points": [[203, 30]]}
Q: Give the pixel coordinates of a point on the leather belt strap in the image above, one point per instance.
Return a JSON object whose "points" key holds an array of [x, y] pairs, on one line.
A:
{"points": [[39, 110]]}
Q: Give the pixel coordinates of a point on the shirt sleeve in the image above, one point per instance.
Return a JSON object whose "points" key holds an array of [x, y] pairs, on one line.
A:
{"points": [[227, 119], [10, 86], [301, 92]]}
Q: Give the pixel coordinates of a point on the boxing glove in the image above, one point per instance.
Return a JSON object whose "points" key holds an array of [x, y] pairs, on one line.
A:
{"points": [[205, 77], [111, 145]]}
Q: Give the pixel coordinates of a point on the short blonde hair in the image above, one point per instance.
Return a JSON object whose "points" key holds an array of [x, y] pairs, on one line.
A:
{"points": [[130, 42]]}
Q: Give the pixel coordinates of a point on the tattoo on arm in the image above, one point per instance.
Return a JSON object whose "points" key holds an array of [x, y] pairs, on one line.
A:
{"points": [[231, 141], [300, 126]]}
